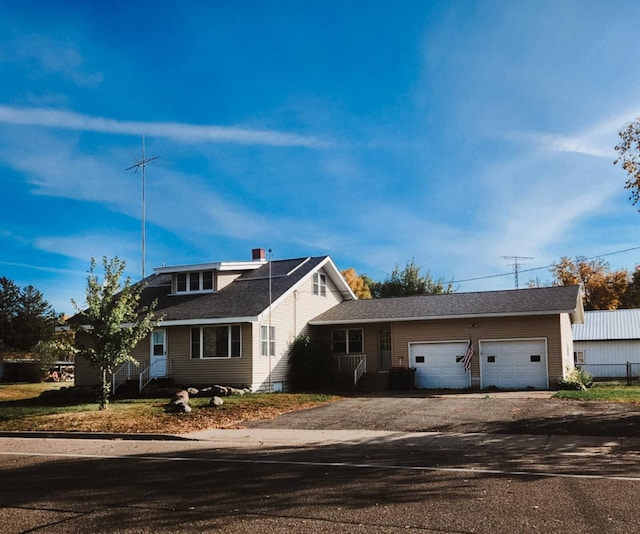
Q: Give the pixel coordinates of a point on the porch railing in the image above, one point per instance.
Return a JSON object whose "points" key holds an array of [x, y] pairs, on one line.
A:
{"points": [[355, 364], [147, 375], [125, 372]]}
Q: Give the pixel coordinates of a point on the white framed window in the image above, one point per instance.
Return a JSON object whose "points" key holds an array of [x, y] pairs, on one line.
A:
{"points": [[578, 356], [347, 341], [193, 282], [267, 339], [320, 284], [216, 341]]}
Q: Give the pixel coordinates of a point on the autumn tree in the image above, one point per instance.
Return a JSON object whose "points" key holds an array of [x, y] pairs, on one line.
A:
{"points": [[357, 283], [114, 320], [409, 282], [602, 289], [629, 157]]}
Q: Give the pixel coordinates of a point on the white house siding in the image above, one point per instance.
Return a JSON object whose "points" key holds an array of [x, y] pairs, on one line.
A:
{"points": [[567, 344], [608, 359], [538, 326], [289, 317]]}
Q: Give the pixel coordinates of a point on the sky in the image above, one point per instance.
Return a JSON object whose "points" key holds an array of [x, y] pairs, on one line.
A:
{"points": [[455, 134]]}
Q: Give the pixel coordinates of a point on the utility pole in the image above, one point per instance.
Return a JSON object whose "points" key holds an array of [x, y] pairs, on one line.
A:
{"points": [[142, 164], [516, 265]]}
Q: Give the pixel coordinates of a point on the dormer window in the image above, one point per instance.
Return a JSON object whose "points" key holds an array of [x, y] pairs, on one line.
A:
{"points": [[193, 282]]}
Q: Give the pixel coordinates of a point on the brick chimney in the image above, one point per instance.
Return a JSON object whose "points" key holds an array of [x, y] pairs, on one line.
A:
{"points": [[257, 254]]}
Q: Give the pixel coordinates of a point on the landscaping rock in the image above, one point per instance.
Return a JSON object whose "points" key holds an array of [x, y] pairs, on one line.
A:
{"points": [[192, 391], [221, 391], [216, 402], [182, 394]]}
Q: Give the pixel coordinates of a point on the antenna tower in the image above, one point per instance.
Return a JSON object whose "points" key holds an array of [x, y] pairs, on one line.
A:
{"points": [[516, 264], [142, 164]]}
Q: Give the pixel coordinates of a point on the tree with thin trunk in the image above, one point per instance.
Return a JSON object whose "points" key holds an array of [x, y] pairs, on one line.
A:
{"points": [[114, 320]]}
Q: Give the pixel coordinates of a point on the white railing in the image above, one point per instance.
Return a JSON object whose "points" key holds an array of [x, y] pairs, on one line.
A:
{"points": [[146, 375], [121, 375], [360, 369], [352, 363]]}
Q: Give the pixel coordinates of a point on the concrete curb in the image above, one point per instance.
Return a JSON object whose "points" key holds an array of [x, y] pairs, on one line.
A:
{"points": [[93, 435]]}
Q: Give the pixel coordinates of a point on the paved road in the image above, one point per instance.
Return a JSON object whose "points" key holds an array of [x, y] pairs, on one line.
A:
{"points": [[333, 479]]}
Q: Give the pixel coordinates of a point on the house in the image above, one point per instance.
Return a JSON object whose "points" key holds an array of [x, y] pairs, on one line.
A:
{"points": [[232, 323], [228, 322], [519, 338], [607, 345]]}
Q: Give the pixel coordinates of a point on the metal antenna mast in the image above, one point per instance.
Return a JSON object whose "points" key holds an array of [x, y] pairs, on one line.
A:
{"points": [[516, 265], [142, 164]]}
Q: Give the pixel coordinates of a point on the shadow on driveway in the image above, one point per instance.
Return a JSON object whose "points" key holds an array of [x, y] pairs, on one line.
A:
{"points": [[533, 412]]}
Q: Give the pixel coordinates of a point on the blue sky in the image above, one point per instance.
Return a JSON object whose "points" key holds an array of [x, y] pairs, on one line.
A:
{"points": [[453, 133]]}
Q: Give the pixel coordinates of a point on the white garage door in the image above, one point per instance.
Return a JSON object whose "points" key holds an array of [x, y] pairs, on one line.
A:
{"points": [[514, 364], [439, 365]]}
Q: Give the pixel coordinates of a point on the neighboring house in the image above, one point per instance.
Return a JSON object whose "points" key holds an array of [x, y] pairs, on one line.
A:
{"points": [[520, 338], [228, 323], [608, 341]]}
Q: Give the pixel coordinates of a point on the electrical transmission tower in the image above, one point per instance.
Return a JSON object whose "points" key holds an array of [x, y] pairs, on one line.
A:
{"points": [[142, 164], [516, 264]]}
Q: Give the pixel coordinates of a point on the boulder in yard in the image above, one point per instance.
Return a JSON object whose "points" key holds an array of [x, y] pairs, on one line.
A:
{"points": [[216, 402]]}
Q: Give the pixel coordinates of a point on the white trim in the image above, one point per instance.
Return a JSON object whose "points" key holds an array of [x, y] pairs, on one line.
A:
{"points": [[204, 322], [216, 266]]}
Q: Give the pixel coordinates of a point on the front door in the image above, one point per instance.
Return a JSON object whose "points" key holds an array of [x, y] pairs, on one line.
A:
{"points": [[158, 360], [384, 349]]}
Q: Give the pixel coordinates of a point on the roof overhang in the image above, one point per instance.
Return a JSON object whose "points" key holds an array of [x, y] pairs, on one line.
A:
{"points": [[433, 318], [216, 266], [207, 321]]}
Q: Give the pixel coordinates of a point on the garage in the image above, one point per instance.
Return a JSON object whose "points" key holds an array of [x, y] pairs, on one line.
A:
{"points": [[439, 365], [514, 364]]}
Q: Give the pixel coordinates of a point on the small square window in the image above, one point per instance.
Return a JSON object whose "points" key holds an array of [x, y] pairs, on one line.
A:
{"points": [[535, 358], [491, 359], [419, 359]]}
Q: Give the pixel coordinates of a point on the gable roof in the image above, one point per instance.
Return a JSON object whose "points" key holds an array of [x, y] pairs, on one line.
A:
{"points": [[535, 301], [608, 325], [244, 299]]}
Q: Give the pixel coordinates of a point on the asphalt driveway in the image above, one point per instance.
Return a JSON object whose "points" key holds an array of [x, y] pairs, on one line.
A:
{"points": [[502, 413]]}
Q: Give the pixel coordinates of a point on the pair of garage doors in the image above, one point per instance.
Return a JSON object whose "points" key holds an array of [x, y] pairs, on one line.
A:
{"points": [[508, 364]]}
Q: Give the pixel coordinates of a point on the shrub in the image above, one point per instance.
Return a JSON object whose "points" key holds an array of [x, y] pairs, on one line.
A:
{"points": [[577, 379], [309, 364]]}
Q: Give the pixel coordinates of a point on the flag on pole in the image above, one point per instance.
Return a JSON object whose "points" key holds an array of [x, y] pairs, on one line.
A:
{"points": [[467, 356]]}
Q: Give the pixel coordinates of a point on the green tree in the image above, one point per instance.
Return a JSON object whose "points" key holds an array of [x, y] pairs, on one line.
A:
{"points": [[114, 320], [409, 282], [26, 318], [629, 157], [631, 297]]}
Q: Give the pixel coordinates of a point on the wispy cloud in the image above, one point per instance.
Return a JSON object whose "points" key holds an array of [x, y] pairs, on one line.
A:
{"points": [[186, 133], [49, 56]]}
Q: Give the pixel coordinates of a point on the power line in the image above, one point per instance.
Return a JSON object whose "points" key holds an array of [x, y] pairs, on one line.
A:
{"points": [[487, 277]]}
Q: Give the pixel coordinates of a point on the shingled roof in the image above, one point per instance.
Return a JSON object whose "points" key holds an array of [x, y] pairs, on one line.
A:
{"points": [[535, 301], [244, 299]]}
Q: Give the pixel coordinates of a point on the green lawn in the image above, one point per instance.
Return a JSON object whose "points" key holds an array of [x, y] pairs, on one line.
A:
{"points": [[31, 407], [605, 392]]}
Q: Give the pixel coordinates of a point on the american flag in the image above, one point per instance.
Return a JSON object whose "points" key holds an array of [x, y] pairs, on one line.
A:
{"points": [[467, 356]]}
